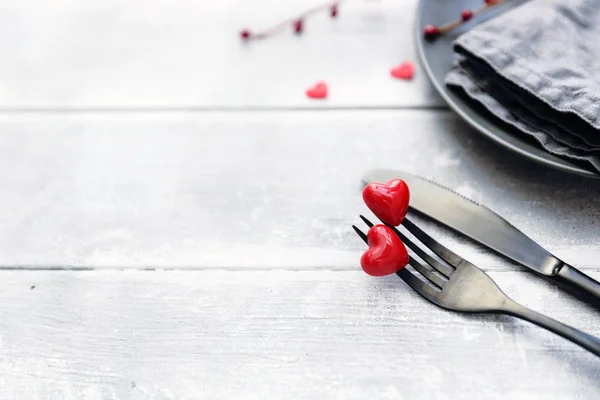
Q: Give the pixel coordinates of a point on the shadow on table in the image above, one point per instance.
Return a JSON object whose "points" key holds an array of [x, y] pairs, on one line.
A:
{"points": [[508, 171], [513, 165]]}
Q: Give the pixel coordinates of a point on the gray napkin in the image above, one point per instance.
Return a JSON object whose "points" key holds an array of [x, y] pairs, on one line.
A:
{"points": [[537, 68]]}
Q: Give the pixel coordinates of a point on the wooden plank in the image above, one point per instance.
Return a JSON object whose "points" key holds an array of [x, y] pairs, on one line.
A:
{"points": [[188, 54], [277, 334], [254, 190]]}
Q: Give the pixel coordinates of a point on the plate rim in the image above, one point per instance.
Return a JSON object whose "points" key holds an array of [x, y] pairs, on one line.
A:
{"points": [[564, 166]]}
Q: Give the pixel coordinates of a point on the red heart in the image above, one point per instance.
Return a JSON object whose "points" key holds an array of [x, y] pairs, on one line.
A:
{"points": [[319, 91], [406, 70], [389, 202], [386, 254]]}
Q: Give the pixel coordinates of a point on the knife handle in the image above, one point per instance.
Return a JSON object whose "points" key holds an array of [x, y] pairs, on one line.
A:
{"points": [[580, 283]]}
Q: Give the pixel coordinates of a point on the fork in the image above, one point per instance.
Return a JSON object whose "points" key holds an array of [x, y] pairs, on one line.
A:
{"points": [[461, 286]]}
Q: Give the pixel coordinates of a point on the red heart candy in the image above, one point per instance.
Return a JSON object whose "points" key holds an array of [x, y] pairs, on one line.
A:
{"points": [[319, 91], [386, 254], [406, 70], [389, 202]]}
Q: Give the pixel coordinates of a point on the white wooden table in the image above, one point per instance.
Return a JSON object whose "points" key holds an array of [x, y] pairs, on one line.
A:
{"points": [[175, 215]]}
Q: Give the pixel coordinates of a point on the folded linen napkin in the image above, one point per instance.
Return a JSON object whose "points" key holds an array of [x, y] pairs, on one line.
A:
{"points": [[537, 68]]}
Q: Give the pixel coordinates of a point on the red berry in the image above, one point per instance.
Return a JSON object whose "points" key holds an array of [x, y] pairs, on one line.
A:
{"points": [[245, 34], [431, 32], [466, 15], [333, 12], [298, 26], [490, 1]]}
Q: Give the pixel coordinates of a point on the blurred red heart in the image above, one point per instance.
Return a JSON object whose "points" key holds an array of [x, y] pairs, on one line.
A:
{"points": [[389, 202], [318, 91], [386, 254], [406, 70]]}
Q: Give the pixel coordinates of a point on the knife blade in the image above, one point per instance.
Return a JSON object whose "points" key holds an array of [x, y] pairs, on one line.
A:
{"points": [[486, 227]]}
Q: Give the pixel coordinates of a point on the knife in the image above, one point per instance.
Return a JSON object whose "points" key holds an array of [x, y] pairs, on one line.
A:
{"points": [[486, 227]]}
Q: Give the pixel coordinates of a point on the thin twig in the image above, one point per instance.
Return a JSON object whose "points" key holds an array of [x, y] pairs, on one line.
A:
{"points": [[432, 32], [296, 22]]}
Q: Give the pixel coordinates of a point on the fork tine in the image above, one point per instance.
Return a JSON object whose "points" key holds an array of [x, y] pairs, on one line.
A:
{"points": [[366, 221], [360, 233], [435, 264], [427, 273], [442, 252], [418, 285], [424, 289]]}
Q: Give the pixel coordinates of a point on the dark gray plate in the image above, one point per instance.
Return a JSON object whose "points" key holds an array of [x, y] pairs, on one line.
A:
{"points": [[437, 57]]}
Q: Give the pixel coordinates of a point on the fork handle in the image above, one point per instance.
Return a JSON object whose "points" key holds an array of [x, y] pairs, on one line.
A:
{"points": [[587, 341]]}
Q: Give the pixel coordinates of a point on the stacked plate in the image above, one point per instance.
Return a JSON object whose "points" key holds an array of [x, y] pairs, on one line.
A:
{"points": [[438, 57]]}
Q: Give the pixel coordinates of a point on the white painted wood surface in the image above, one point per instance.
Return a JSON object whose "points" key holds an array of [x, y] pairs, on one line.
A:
{"points": [[277, 334], [252, 190], [116, 54], [250, 195], [220, 263]]}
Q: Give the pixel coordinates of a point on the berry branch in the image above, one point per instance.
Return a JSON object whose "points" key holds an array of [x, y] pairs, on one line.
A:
{"points": [[296, 23], [432, 32]]}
